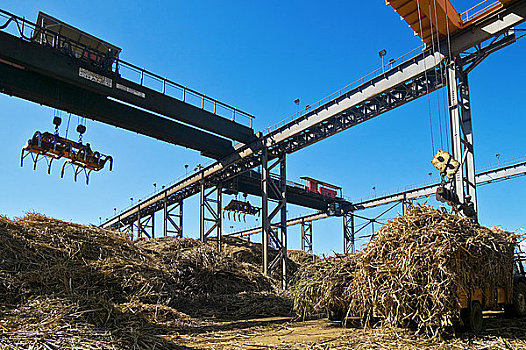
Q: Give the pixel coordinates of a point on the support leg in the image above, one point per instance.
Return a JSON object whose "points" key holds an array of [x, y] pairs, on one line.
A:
{"points": [[306, 236], [275, 184], [210, 214], [348, 233], [173, 219], [461, 131]]}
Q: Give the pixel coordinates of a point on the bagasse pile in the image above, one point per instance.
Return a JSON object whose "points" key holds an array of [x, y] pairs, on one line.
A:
{"points": [[64, 286], [410, 272]]}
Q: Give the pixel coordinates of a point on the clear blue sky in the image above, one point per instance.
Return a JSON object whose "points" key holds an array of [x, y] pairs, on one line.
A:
{"points": [[260, 56]]}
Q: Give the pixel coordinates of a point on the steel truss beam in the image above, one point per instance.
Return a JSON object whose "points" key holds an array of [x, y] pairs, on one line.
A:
{"points": [[210, 213], [236, 165], [306, 236], [173, 219], [274, 234]]}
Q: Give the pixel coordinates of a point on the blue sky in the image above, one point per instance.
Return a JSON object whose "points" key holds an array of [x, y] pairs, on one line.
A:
{"points": [[260, 56]]}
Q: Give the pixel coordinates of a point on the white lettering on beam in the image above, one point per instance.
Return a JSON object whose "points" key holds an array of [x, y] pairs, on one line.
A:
{"points": [[130, 90]]}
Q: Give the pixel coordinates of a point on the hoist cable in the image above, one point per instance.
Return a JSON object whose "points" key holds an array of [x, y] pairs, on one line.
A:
{"points": [[449, 61], [67, 127], [425, 71], [433, 51], [442, 120]]}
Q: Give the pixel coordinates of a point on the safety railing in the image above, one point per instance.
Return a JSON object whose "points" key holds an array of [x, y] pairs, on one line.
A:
{"points": [[182, 93], [478, 9], [35, 33], [377, 72]]}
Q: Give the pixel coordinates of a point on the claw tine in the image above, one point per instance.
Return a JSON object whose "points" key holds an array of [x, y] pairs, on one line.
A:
{"points": [[62, 171], [35, 162], [49, 166]]}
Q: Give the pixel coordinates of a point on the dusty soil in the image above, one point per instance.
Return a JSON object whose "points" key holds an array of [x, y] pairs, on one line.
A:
{"points": [[281, 333]]}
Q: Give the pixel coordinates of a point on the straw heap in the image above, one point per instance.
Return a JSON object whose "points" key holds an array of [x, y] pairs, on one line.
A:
{"points": [[410, 272], [68, 286]]}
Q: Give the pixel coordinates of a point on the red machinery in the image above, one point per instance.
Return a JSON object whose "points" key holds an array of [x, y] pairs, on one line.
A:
{"points": [[323, 188]]}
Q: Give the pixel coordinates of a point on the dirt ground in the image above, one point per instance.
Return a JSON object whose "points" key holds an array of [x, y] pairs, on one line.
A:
{"points": [[281, 333]]}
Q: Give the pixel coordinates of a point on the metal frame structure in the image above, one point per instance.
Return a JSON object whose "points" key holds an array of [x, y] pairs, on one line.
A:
{"points": [[348, 233], [173, 216], [274, 233], [210, 213], [404, 198], [388, 89], [145, 224], [306, 236], [461, 130]]}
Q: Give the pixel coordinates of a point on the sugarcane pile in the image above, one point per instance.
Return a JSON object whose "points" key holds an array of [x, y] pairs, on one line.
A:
{"points": [[410, 273], [69, 286]]}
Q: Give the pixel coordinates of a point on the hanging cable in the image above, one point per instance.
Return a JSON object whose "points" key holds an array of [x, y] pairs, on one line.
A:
{"points": [[441, 119], [67, 126], [433, 51], [449, 61], [425, 75]]}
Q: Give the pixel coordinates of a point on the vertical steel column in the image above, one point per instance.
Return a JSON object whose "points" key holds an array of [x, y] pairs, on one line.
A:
{"points": [[273, 189], [348, 233], [153, 224], [165, 215], [283, 203], [306, 236], [265, 222], [139, 226], [219, 221], [202, 199], [461, 131], [132, 235], [214, 214]]}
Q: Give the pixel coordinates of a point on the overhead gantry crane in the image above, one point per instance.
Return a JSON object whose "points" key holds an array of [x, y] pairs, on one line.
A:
{"points": [[57, 65]]}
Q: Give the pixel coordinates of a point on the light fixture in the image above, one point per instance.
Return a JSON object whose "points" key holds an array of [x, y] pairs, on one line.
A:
{"points": [[382, 54]]}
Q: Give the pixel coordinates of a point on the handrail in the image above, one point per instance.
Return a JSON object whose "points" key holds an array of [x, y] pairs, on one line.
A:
{"points": [[339, 92], [184, 89], [478, 12], [200, 100]]}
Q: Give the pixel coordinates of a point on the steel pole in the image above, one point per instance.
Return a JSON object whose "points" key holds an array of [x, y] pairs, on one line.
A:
{"points": [[264, 209]]}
